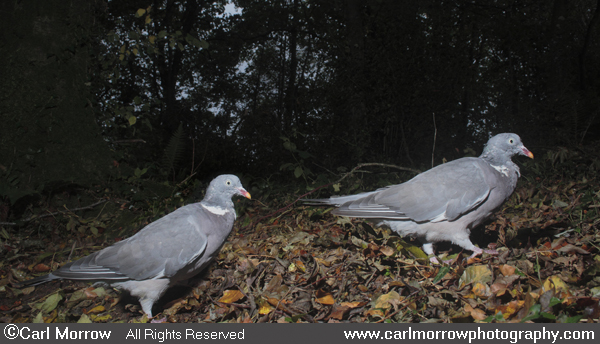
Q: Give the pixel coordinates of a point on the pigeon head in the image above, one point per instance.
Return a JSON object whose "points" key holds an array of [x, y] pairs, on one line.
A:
{"points": [[222, 188], [500, 148]]}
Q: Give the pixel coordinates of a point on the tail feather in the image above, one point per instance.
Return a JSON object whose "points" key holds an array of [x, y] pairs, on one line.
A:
{"points": [[37, 281], [337, 200]]}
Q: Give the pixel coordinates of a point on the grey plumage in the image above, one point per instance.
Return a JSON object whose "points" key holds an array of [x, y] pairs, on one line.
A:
{"points": [[168, 250], [446, 202]]}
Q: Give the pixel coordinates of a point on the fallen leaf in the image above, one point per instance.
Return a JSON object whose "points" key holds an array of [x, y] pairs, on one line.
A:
{"points": [[84, 319], [554, 283], [510, 308], [481, 290], [231, 296], [96, 310], [264, 307], [339, 312], [50, 303], [90, 293], [324, 297], [388, 251], [568, 248], [476, 313], [375, 313], [475, 273], [355, 304], [498, 289], [41, 268], [507, 270], [388, 300]]}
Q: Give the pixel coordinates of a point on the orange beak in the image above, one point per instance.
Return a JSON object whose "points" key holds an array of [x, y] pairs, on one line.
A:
{"points": [[527, 152], [244, 193]]}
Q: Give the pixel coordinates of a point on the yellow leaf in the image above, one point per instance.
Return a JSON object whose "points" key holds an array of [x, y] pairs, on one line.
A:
{"points": [[481, 290], [231, 296], [554, 283], [148, 19], [96, 310], [140, 12], [264, 307], [475, 273], [101, 318], [135, 51], [510, 308], [152, 39], [132, 120]]}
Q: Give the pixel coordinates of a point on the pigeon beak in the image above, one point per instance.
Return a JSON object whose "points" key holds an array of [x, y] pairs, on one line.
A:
{"points": [[244, 193], [526, 152]]}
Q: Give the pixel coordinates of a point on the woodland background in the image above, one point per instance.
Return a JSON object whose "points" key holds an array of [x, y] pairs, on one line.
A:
{"points": [[114, 112]]}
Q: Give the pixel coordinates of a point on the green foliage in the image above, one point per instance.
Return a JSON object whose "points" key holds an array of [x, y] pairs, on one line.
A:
{"points": [[174, 151], [298, 167]]}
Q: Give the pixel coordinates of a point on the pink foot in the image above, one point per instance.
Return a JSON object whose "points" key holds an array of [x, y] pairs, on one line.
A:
{"points": [[477, 251]]}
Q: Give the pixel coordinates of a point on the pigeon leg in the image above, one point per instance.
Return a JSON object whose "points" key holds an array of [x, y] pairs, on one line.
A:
{"points": [[477, 251], [428, 249]]}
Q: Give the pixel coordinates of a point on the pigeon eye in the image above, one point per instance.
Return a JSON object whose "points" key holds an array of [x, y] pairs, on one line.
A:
{"points": [[511, 141], [228, 182]]}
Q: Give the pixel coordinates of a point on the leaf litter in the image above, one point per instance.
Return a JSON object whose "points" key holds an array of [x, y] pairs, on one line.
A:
{"points": [[306, 265]]}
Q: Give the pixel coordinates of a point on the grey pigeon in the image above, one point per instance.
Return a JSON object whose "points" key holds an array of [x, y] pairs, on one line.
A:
{"points": [[446, 202], [170, 249]]}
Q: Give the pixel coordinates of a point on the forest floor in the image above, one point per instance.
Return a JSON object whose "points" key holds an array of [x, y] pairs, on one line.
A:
{"points": [[303, 264]]}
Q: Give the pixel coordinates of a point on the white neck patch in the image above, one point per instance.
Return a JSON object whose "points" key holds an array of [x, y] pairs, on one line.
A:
{"points": [[215, 210], [502, 169]]}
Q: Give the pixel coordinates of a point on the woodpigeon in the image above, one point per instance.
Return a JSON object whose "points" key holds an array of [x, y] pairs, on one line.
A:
{"points": [[170, 249], [446, 202]]}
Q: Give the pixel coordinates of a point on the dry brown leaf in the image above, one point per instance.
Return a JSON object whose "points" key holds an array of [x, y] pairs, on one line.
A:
{"points": [[324, 298], [498, 289], [355, 304], [388, 300], [375, 313], [476, 313], [339, 312], [231, 296], [363, 288], [41, 268], [507, 270], [568, 248], [300, 265], [89, 293], [388, 251]]}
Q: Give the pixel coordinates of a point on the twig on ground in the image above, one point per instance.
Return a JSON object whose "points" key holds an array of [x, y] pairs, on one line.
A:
{"points": [[33, 217], [252, 224]]}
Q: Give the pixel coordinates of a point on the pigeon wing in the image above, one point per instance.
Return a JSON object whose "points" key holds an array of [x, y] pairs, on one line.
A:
{"points": [[443, 193]]}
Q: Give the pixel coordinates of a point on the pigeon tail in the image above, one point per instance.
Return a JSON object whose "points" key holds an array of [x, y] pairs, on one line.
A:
{"points": [[37, 281]]}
